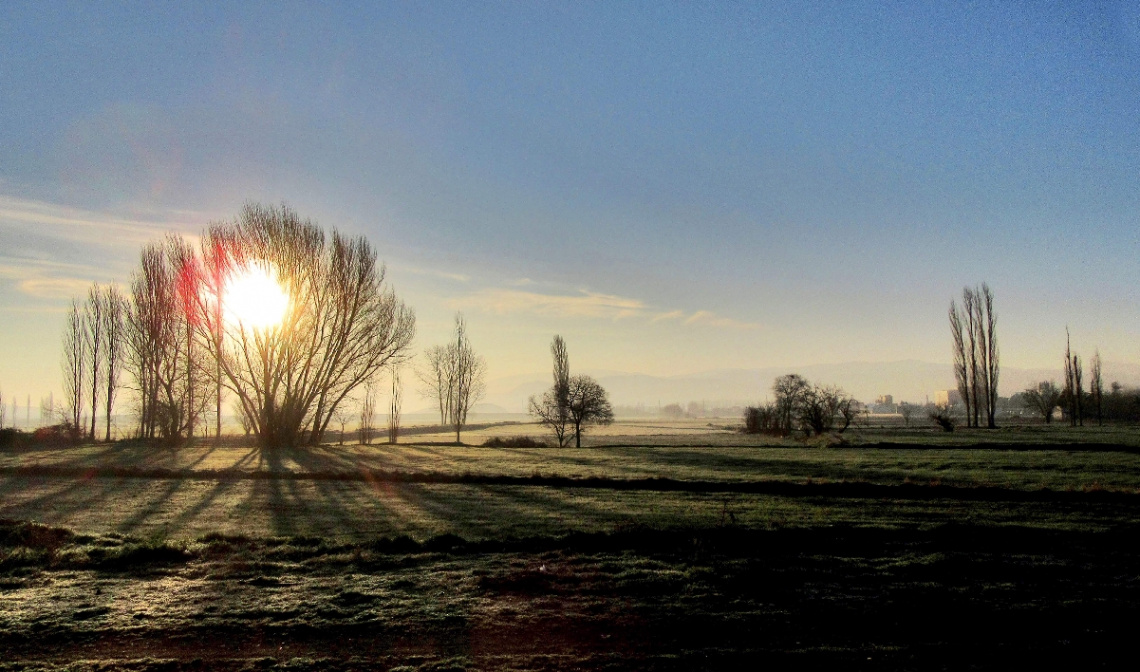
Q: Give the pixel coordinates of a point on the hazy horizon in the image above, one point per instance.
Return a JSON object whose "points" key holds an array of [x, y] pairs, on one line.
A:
{"points": [[674, 189]]}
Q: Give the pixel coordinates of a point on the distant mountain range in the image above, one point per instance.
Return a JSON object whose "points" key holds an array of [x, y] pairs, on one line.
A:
{"points": [[907, 380]]}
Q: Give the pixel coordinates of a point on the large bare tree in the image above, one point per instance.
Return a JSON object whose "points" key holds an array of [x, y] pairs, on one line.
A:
{"points": [[1042, 399], [162, 354], [788, 391], [343, 324], [976, 357], [969, 306], [588, 405], [553, 409], [454, 377], [436, 381], [988, 348], [114, 339], [468, 371], [961, 359]]}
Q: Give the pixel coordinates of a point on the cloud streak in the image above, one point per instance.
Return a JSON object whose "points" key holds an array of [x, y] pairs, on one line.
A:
{"points": [[84, 227], [50, 280], [587, 304], [52, 252]]}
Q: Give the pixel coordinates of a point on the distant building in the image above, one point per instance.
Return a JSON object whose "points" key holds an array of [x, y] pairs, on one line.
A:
{"points": [[884, 403], [947, 398]]}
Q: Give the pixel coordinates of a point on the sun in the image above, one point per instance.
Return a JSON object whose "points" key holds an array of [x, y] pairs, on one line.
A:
{"points": [[254, 298]]}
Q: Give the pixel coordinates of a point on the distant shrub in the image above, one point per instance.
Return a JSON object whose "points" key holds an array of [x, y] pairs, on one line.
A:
{"points": [[762, 420], [513, 442], [11, 437], [941, 417], [56, 435]]}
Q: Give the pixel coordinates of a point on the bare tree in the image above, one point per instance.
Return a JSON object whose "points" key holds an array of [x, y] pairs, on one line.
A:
{"points": [[469, 375], [367, 412], [987, 340], [1043, 399], [394, 406], [1096, 387], [976, 356], [1074, 387], [588, 405], [343, 324], [906, 410], [74, 366], [455, 377], [342, 416], [788, 391], [93, 348], [2, 407], [114, 337], [970, 308], [818, 407], [848, 409], [437, 383], [553, 409], [1078, 389], [961, 358], [162, 356], [244, 420]]}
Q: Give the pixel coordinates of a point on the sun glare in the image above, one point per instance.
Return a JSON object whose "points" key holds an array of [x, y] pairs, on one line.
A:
{"points": [[254, 298]]}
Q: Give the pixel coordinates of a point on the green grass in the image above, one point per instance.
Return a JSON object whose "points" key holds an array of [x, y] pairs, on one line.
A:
{"points": [[906, 551], [356, 510], [1024, 465]]}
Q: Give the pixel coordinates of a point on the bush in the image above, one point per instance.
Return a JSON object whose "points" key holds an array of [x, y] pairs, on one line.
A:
{"points": [[762, 420], [56, 435], [11, 437], [513, 442], [941, 417]]}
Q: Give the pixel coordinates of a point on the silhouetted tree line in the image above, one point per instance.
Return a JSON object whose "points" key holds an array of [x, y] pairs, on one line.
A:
{"points": [[342, 326], [94, 349], [798, 405]]}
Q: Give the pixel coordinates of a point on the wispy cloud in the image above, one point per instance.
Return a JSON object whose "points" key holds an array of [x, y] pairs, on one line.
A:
{"points": [[589, 304], [52, 252], [711, 319], [92, 228], [51, 280], [583, 304], [431, 272]]}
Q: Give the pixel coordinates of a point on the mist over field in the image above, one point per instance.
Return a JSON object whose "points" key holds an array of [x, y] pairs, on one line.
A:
{"points": [[910, 381]]}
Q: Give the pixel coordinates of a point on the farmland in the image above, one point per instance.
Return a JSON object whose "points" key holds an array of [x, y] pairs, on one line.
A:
{"points": [[657, 546]]}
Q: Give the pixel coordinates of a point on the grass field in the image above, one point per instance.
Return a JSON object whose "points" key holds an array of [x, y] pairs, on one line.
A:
{"points": [[692, 549]]}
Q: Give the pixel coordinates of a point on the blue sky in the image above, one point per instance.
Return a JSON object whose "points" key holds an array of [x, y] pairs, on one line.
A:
{"points": [[672, 187]]}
